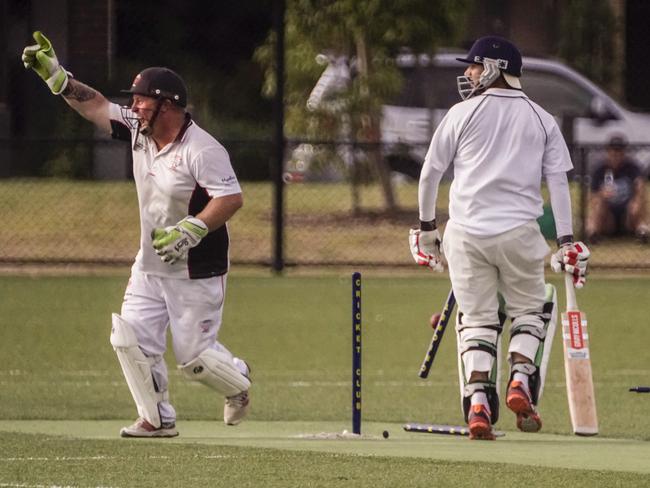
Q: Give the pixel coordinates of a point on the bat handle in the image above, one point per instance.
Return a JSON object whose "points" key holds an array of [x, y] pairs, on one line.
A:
{"points": [[571, 302], [641, 389]]}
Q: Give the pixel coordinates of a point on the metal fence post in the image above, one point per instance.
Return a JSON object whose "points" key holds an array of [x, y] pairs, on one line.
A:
{"points": [[279, 140]]}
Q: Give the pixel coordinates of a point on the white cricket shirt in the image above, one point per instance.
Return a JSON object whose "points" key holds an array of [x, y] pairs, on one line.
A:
{"points": [[501, 144], [177, 181]]}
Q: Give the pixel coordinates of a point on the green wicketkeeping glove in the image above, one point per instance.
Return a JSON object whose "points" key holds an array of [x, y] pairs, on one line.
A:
{"points": [[174, 242], [41, 58]]}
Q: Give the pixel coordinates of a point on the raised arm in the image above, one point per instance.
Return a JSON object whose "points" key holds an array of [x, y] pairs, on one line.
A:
{"points": [[88, 102]]}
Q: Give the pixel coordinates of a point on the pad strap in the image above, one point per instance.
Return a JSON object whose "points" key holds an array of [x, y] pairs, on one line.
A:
{"points": [[498, 327], [525, 368], [533, 330], [478, 345]]}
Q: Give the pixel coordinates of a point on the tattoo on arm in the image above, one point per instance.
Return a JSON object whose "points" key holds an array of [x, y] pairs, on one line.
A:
{"points": [[78, 91]]}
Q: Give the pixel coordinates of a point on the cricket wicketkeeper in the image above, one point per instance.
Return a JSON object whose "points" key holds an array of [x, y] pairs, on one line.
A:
{"points": [[187, 191], [501, 144]]}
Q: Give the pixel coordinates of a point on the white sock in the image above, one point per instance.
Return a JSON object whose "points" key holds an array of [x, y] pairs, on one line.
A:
{"points": [[523, 378], [480, 398]]}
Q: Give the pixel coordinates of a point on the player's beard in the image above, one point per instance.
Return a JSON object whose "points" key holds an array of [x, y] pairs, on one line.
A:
{"points": [[144, 128]]}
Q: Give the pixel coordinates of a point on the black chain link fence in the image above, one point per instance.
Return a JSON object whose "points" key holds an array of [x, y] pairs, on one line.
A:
{"points": [[338, 211], [66, 194]]}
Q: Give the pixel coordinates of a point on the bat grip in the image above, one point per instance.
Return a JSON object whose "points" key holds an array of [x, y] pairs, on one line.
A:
{"points": [[571, 302]]}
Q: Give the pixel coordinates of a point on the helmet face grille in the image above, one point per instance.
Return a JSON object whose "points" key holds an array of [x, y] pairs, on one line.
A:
{"points": [[491, 71], [160, 83]]}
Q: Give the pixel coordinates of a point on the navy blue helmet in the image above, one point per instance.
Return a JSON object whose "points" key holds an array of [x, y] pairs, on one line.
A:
{"points": [[499, 57], [503, 51]]}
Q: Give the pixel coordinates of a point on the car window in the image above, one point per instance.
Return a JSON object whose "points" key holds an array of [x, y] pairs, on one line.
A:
{"points": [[443, 83], [435, 87], [430, 87], [556, 94]]}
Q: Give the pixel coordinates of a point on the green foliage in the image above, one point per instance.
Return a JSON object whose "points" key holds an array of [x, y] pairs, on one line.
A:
{"points": [[223, 105], [209, 44], [342, 28], [586, 38], [72, 159]]}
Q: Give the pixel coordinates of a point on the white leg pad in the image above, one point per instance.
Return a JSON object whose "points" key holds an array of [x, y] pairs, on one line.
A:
{"points": [[216, 370], [137, 370], [482, 363]]}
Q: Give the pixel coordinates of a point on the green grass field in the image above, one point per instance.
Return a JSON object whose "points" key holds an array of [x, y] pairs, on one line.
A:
{"points": [[63, 398]]}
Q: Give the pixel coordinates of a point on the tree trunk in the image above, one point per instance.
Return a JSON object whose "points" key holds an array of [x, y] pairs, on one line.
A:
{"points": [[370, 128]]}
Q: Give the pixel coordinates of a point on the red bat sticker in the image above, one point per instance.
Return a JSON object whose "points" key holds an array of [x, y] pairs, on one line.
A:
{"points": [[575, 330]]}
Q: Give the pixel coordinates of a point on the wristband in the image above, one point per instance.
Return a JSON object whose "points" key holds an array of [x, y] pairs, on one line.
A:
{"points": [[567, 239], [428, 226]]}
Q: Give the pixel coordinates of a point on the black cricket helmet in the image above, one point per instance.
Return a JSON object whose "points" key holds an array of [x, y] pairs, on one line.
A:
{"points": [[159, 82]]}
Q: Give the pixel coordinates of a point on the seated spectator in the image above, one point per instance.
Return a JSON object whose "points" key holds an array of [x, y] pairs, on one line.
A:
{"points": [[617, 204]]}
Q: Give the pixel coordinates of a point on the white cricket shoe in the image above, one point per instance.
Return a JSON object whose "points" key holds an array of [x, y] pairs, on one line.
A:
{"points": [[142, 428], [237, 406]]}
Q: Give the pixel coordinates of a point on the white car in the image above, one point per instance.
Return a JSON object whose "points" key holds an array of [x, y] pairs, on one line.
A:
{"points": [[429, 90]]}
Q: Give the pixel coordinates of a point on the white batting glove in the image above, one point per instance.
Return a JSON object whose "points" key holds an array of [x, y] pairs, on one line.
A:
{"points": [[174, 242], [572, 258], [425, 248], [41, 58]]}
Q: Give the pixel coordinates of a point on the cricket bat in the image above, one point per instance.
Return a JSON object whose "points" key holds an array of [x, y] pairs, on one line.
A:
{"points": [[577, 365], [438, 330]]}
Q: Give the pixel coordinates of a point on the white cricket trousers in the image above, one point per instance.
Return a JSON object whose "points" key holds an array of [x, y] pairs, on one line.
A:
{"points": [[191, 308], [511, 263]]}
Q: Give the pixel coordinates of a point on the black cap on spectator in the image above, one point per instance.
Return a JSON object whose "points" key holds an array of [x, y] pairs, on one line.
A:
{"points": [[617, 142]]}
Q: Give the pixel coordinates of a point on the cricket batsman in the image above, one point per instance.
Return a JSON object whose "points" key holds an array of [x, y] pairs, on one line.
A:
{"points": [[187, 192], [501, 144]]}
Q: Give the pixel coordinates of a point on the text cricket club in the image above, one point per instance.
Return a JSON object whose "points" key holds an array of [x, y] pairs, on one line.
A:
{"points": [[356, 353], [357, 369]]}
